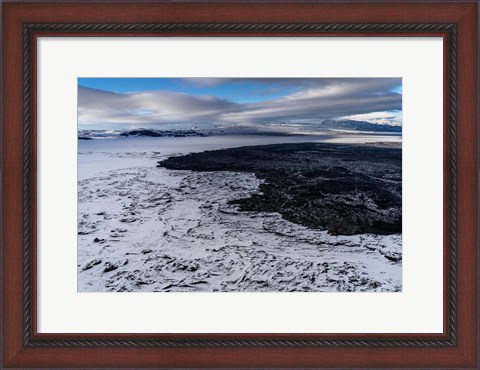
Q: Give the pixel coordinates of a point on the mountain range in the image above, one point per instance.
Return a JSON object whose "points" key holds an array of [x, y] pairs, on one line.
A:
{"points": [[271, 130]]}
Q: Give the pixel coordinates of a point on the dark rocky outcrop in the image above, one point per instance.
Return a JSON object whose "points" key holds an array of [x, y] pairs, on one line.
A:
{"points": [[162, 133], [345, 189]]}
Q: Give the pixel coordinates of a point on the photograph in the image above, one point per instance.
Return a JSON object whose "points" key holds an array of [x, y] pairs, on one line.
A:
{"points": [[239, 184]]}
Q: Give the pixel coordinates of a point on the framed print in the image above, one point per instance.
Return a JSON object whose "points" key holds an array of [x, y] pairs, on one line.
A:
{"points": [[240, 184]]}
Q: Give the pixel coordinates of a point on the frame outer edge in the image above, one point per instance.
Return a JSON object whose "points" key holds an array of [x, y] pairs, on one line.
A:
{"points": [[28, 30]]}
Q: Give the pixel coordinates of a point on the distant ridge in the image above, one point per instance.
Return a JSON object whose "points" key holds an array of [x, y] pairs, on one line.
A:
{"points": [[270, 130], [162, 133], [351, 125], [107, 134]]}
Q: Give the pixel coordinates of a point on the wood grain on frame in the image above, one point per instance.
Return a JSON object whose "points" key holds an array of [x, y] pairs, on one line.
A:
{"points": [[23, 347]]}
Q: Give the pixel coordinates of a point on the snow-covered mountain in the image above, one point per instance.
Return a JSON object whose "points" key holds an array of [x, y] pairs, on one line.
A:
{"points": [[104, 134], [269, 129], [364, 126]]}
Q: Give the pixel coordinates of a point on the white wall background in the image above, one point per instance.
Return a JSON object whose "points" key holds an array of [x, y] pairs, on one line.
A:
{"points": [[418, 309]]}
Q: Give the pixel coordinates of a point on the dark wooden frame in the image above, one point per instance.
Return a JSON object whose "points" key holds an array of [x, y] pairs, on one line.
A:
{"points": [[456, 22]]}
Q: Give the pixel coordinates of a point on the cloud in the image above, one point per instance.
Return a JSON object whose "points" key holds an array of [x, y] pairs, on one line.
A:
{"points": [[313, 99], [394, 118], [102, 108]]}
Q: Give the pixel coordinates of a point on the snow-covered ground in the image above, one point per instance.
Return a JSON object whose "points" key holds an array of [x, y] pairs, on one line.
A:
{"points": [[143, 228]]}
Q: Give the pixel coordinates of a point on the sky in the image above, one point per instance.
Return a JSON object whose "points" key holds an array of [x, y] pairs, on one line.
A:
{"points": [[185, 103]]}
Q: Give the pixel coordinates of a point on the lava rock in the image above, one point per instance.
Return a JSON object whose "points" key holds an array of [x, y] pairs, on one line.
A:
{"points": [[89, 265], [343, 188]]}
